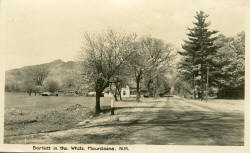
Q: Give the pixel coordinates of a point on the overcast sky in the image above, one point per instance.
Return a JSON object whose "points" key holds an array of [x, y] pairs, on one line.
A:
{"points": [[39, 31]]}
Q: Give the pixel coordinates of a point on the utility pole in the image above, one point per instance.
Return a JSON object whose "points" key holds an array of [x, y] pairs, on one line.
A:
{"points": [[207, 83]]}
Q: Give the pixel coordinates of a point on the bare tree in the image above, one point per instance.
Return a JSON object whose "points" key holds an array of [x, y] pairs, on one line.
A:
{"points": [[29, 87], [52, 86], [38, 74], [120, 80], [102, 57], [118, 83], [151, 58]]}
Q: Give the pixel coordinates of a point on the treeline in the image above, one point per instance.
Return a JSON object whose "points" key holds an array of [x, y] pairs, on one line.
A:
{"points": [[32, 81], [38, 78]]}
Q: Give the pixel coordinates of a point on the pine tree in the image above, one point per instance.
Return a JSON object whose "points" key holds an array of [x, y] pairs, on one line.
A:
{"points": [[198, 53]]}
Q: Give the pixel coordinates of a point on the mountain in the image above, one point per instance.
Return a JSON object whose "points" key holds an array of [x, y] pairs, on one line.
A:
{"points": [[58, 71]]}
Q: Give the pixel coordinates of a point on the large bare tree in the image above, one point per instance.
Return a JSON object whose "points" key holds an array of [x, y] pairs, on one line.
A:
{"points": [[102, 56]]}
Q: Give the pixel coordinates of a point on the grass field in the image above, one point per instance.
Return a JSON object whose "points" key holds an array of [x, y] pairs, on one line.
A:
{"points": [[37, 114], [37, 103]]}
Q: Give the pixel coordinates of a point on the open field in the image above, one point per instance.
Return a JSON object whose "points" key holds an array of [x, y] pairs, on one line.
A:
{"points": [[172, 121], [36, 114], [38, 103]]}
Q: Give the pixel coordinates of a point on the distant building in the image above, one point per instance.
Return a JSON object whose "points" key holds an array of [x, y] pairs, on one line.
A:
{"points": [[125, 92]]}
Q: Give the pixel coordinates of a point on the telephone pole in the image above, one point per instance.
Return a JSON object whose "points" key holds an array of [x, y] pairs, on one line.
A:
{"points": [[207, 83]]}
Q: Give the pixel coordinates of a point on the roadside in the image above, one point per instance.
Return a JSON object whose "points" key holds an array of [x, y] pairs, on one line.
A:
{"points": [[167, 121]]}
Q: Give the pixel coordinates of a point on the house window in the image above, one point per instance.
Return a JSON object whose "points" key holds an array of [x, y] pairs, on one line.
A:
{"points": [[124, 92]]}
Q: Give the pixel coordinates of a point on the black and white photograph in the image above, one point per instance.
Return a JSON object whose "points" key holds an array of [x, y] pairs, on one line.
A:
{"points": [[123, 72]]}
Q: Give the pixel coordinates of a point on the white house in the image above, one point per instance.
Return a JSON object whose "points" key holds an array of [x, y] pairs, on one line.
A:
{"points": [[125, 92]]}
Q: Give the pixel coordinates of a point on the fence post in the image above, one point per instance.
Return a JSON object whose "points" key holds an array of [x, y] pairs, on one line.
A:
{"points": [[112, 107]]}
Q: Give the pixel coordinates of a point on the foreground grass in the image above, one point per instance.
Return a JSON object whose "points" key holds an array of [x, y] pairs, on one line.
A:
{"points": [[29, 122], [36, 114]]}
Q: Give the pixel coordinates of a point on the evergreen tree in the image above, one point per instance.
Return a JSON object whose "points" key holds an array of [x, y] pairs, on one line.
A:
{"points": [[199, 51], [231, 57]]}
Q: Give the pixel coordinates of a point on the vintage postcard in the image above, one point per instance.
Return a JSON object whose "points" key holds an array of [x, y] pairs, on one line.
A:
{"points": [[124, 76]]}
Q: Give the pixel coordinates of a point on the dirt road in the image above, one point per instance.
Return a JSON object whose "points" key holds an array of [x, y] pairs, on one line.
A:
{"points": [[172, 121]]}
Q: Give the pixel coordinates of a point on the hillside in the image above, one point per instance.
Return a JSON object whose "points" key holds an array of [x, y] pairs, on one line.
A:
{"points": [[58, 70]]}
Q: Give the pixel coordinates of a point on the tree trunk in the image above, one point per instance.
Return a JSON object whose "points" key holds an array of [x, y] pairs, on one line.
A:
{"points": [[118, 90], [97, 104], [194, 89], [149, 88], [120, 94], [157, 95], [115, 95], [154, 92], [138, 94]]}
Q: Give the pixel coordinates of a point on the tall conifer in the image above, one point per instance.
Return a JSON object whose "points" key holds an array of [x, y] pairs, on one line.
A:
{"points": [[198, 52]]}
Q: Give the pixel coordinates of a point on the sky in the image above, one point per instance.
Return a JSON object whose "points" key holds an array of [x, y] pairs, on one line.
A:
{"points": [[40, 31]]}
